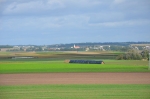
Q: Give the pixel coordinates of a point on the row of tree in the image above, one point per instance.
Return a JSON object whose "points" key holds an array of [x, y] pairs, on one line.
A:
{"points": [[133, 55]]}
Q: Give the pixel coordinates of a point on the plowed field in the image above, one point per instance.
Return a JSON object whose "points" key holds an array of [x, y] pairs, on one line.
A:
{"points": [[75, 78]]}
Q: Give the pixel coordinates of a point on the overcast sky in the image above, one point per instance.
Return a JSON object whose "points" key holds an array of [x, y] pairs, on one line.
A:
{"points": [[45, 22]]}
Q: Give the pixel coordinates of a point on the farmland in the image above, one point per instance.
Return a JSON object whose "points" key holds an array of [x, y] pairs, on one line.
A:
{"points": [[48, 76], [54, 62], [75, 92], [60, 66], [60, 55]]}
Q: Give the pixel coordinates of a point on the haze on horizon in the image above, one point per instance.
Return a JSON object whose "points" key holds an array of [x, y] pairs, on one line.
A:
{"points": [[46, 22]]}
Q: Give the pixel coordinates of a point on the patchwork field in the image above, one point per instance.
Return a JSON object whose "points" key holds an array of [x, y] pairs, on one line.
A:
{"points": [[49, 77], [62, 55]]}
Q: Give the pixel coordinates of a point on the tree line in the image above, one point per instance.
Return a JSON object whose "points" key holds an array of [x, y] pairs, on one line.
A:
{"points": [[134, 55]]}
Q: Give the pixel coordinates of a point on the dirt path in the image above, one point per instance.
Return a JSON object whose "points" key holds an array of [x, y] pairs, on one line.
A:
{"points": [[75, 78]]}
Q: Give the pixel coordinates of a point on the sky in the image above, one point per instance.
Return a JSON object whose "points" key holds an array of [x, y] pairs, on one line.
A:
{"points": [[45, 22]]}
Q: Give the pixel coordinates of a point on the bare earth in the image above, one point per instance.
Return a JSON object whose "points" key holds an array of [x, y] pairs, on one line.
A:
{"points": [[75, 78]]}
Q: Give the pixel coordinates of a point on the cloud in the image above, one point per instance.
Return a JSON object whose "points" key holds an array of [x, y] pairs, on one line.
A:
{"points": [[131, 5], [79, 18], [84, 3], [118, 1], [49, 7], [2, 1], [32, 6], [41, 23], [106, 17], [122, 23]]}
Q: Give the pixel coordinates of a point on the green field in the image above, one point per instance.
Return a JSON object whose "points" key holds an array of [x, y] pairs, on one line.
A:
{"points": [[75, 92], [59, 55], [60, 66], [48, 62]]}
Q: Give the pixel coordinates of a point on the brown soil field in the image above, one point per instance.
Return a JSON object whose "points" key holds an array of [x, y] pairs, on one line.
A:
{"points": [[74, 78]]}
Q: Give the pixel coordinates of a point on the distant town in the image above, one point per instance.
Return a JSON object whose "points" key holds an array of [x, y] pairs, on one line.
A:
{"points": [[88, 46]]}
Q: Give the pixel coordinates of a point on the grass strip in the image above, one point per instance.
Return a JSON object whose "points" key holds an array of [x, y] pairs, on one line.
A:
{"points": [[59, 66], [75, 92]]}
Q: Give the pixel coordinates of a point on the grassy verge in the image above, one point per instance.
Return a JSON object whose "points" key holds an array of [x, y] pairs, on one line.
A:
{"points": [[60, 66], [75, 92]]}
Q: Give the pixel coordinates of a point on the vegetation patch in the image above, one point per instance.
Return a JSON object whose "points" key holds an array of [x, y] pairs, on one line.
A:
{"points": [[75, 92], [61, 66], [134, 55]]}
